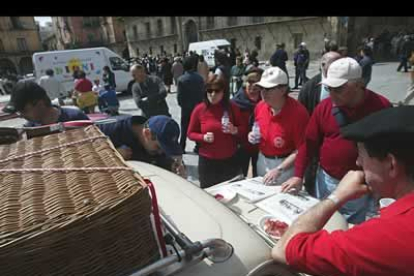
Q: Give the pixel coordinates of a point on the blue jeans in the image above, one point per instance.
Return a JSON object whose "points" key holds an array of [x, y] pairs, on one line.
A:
{"points": [[354, 211]]}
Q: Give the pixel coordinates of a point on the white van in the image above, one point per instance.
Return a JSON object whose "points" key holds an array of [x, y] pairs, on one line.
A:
{"points": [[90, 60], [207, 48]]}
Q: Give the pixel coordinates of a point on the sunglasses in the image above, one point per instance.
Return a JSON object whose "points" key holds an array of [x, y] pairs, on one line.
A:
{"points": [[210, 91]]}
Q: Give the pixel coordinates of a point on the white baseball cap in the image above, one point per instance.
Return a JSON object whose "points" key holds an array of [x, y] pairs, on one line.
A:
{"points": [[341, 71], [272, 77], [303, 44]]}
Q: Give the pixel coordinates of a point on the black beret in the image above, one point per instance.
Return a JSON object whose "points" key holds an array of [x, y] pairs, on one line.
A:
{"points": [[395, 122]]}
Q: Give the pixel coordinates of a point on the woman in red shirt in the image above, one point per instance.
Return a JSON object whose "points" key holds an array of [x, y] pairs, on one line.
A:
{"points": [[85, 98], [218, 142]]}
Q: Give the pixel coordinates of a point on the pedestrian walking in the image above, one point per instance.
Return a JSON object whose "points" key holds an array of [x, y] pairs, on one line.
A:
{"points": [[166, 74], [301, 62], [366, 63], [202, 68], [237, 72], [109, 77], [190, 91], [280, 57], [51, 85], [177, 69], [149, 93]]}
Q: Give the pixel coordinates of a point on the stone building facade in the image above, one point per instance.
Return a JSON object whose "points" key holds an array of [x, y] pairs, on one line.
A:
{"points": [[85, 32], [155, 35], [19, 39]]}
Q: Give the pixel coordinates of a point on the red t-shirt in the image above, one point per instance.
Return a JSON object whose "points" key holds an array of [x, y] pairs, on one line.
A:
{"points": [[281, 134], [336, 155], [83, 85], [208, 119], [381, 246]]}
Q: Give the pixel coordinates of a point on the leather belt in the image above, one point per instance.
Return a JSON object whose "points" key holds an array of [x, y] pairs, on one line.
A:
{"points": [[276, 156]]}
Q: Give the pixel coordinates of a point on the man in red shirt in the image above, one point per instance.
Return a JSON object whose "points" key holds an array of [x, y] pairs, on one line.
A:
{"points": [[349, 102], [282, 121], [382, 246]]}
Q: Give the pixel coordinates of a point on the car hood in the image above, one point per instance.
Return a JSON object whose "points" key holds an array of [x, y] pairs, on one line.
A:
{"points": [[200, 217]]}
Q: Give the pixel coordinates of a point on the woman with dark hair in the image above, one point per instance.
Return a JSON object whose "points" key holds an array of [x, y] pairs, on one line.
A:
{"points": [[109, 77], [215, 124], [246, 99]]}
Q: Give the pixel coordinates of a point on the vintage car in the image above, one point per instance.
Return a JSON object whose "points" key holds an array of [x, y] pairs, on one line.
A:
{"points": [[201, 217], [196, 234]]}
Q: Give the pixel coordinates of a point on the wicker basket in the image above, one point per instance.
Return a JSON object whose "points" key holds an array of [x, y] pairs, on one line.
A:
{"points": [[69, 205]]}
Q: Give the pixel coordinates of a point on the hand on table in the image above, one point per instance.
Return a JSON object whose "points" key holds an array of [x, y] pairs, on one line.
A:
{"points": [[292, 185], [272, 176]]}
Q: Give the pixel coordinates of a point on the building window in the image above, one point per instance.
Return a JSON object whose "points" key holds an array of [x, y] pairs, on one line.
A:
{"points": [[159, 27], [148, 29], [135, 30], [137, 52], [258, 19], [232, 20], [233, 42], [173, 25], [162, 49], [91, 21], [22, 45], [297, 39], [150, 50], [16, 23], [175, 48], [210, 22], [1, 46], [91, 38], [258, 42]]}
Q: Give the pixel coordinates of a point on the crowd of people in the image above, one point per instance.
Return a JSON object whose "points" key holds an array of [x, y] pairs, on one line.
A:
{"points": [[241, 116]]}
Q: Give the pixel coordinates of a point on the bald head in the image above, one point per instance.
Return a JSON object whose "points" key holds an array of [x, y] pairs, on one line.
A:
{"points": [[138, 73], [327, 59]]}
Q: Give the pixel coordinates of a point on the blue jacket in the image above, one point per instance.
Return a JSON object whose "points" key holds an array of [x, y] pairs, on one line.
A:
{"points": [[67, 114], [120, 133]]}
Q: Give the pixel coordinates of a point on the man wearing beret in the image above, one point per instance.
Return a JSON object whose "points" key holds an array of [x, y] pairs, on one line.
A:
{"points": [[383, 245], [349, 102]]}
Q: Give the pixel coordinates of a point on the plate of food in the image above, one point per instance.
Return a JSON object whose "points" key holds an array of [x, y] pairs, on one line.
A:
{"points": [[274, 227], [223, 195]]}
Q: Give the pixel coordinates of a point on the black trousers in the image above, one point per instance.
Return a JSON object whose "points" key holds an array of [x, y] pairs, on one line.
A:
{"points": [[300, 75], [403, 63], [244, 158], [185, 121], [214, 171]]}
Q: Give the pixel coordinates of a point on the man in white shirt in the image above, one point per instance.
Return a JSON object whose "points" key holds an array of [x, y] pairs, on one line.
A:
{"points": [[53, 87]]}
